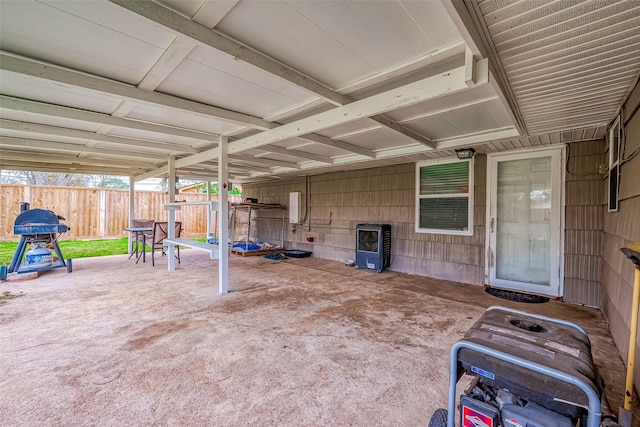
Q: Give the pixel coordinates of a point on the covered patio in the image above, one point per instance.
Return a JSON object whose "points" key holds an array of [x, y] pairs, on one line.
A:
{"points": [[423, 116], [295, 342]]}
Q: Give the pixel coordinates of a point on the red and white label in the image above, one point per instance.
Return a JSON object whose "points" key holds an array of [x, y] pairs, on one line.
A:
{"points": [[471, 418]]}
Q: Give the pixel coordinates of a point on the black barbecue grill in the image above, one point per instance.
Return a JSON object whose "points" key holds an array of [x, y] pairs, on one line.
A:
{"points": [[36, 226]]}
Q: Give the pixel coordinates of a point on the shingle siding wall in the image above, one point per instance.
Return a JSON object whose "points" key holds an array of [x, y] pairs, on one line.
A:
{"points": [[339, 201], [583, 239], [620, 229]]}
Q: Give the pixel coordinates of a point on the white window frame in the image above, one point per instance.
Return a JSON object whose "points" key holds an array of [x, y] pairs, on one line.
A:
{"points": [[468, 195], [613, 185]]}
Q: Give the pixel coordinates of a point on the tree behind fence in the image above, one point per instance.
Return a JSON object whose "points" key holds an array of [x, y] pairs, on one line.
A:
{"points": [[95, 213]]}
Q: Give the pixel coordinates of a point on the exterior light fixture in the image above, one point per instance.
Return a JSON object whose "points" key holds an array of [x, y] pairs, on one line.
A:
{"points": [[465, 153]]}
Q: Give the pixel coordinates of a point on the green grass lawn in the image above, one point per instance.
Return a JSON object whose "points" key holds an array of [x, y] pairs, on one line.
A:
{"points": [[76, 248]]}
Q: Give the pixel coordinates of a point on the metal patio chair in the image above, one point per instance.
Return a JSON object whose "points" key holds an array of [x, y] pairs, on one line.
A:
{"points": [[160, 232], [139, 238]]}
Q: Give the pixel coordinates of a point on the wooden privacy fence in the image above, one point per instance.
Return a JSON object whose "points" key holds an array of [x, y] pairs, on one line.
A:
{"points": [[94, 213]]}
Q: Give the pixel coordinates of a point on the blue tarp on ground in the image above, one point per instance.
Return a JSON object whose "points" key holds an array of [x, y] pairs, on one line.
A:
{"points": [[247, 246]]}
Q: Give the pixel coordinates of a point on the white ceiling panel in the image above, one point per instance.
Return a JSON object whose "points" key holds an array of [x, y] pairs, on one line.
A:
{"points": [[350, 128], [462, 120], [68, 33], [435, 127], [382, 138], [23, 116], [311, 147], [433, 21], [160, 137], [35, 89], [287, 36], [185, 7], [362, 37], [212, 77], [479, 95], [180, 118], [476, 118]]}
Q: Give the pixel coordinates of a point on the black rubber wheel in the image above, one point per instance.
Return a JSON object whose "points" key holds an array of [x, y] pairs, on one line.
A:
{"points": [[3, 272], [69, 266], [439, 418]]}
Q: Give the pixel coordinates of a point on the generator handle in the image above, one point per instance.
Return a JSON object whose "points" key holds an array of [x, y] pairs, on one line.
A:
{"points": [[595, 413], [540, 317]]}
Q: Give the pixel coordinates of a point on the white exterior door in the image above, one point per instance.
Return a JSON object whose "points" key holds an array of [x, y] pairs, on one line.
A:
{"points": [[525, 224]]}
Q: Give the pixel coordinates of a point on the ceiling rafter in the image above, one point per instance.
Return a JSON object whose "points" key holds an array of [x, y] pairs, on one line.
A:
{"points": [[58, 111], [83, 135], [296, 153], [166, 64], [62, 158], [336, 143], [214, 164], [39, 70], [180, 25], [261, 161], [185, 27], [410, 94], [451, 81], [73, 168], [7, 141]]}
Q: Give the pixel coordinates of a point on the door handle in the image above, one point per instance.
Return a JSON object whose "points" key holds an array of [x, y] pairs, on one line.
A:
{"points": [[491, 224]]}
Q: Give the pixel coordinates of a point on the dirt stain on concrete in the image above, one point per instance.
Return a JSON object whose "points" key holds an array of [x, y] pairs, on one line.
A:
{"points": [[152, 333]]}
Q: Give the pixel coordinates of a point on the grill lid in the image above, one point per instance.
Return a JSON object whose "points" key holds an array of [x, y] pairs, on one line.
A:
{"points": [[40, 229], [38, 221]]}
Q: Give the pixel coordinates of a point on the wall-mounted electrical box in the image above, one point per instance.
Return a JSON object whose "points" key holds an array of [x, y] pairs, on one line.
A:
{"points": [[295, 199]]}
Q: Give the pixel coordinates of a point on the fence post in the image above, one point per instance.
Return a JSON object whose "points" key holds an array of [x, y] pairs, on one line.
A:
{"points": [[103, 213]]}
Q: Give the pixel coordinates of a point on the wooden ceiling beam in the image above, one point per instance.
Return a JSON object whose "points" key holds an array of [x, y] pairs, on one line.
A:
{"points": [[57, 111], [180, 25], [413, 93], [185, 27], [59, 167], [296, 153], [260, 161], [70, 160], [6, 141], [39, 70], [16, 126]]}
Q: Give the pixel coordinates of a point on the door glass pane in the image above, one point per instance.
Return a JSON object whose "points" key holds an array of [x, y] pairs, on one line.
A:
{"points": [[523, 210]]}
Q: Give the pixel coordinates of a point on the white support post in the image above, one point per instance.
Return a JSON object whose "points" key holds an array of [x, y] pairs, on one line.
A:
{"points": [[172, 179], [132, 210], [171, 229], [171, 234], [210, 212], [223, 216]]}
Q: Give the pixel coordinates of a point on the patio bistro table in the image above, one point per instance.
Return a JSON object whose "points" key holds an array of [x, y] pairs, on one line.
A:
{"points": [[139, 231]]}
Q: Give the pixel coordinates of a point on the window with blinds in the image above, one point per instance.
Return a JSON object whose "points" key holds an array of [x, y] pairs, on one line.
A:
{"points": [[444, 197]]}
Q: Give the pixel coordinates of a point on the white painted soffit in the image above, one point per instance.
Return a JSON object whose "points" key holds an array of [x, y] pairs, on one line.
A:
{"points": [[569, 64]]}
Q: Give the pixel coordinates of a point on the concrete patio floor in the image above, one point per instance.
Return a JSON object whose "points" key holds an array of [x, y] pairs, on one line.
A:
{"points": [[296, 342]]}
